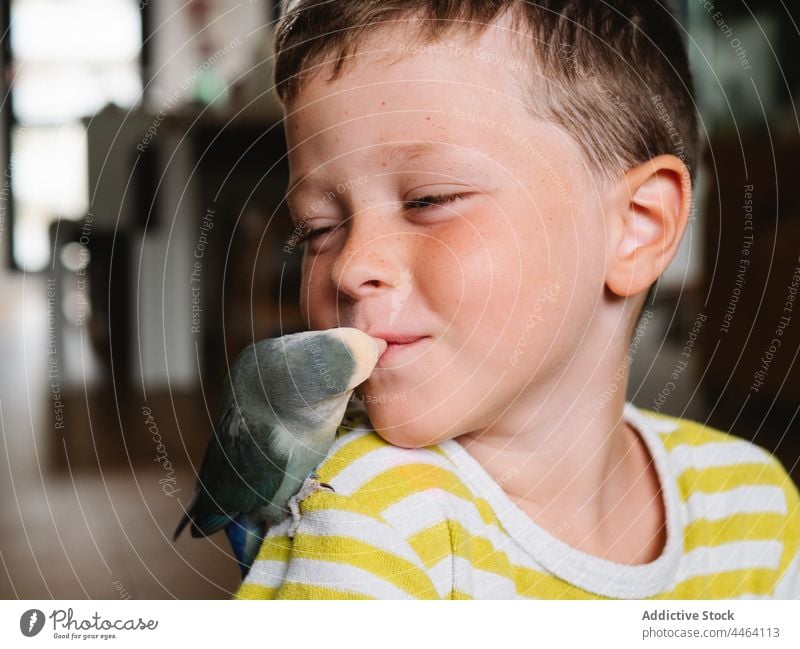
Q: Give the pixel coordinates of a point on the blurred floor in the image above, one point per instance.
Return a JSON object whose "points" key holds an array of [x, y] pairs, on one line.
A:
{"points": [[86, 510]]}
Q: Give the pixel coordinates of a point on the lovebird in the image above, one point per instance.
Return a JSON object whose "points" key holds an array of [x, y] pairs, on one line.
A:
{"points": [[282, 402]]}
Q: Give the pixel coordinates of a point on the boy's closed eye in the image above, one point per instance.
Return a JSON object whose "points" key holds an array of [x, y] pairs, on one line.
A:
{"points": [[422, 203]]}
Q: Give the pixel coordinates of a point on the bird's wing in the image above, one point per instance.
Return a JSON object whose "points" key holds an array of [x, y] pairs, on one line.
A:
{"points": [[237, 474]]}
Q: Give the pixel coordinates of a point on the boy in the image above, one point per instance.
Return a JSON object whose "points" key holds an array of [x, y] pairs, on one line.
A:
{"points": [[492, 188]]}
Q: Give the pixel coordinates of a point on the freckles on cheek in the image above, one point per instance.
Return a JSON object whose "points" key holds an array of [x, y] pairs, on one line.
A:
{"points": [[499, 270], [524, 278], [439, 274]]}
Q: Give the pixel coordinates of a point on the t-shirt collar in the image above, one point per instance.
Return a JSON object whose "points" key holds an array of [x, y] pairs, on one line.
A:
{"points": [[592, 573]]}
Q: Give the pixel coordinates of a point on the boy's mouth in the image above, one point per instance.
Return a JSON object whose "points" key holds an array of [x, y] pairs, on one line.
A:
{"points": [[396, 343], [393, 350]]}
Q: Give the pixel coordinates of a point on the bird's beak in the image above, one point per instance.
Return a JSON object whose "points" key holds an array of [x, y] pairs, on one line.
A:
{"points": [[365, 350]]}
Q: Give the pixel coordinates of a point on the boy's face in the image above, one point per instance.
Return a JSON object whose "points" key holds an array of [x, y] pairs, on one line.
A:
{"points": [[501, 282]]}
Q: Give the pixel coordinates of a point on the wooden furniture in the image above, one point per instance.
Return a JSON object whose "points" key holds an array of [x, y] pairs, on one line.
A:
{"points": [[250, 285], [197, 198]]}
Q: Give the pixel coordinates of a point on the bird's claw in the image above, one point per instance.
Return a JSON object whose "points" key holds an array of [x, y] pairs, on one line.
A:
{"points": [[310, 485]]}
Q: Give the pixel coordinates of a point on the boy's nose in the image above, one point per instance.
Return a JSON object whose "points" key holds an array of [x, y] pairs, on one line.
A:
{"points": [[372, 258]]}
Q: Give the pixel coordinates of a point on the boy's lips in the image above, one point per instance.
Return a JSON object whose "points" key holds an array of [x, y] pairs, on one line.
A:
{"points": [[395, 342]]}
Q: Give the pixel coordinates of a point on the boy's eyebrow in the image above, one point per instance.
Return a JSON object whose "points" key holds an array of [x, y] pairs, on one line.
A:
{"points": [[396, 154]]}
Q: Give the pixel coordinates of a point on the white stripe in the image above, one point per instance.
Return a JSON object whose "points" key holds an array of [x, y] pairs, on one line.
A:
{"points": [[280, 528], [743, 555], [718, 454], [789, 585], [335, 522], [477, 583], [342, 576], [441, 575], [353, 476], [747, 499], [419, 511], [267, 573], [332, 522]]}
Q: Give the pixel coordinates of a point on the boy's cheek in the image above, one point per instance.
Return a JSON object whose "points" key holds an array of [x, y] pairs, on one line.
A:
{"points": [[317, 303]]}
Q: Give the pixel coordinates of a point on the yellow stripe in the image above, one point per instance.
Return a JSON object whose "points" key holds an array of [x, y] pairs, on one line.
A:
{"points": [[447, 536], [353, 552], [541, 585], [394, 484], [482, 554], [406, 479], [254, 591], [348, 454], [715, 479], [274, 548], [734, 583], [790, 533], [739, 527], [293, 590], [387, 488], [440, 540], [699, 438], [693, 434], [432, 544], [487, 513]]}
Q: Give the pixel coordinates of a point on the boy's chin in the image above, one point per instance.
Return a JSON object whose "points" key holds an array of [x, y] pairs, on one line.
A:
{"points": [[396, 425]]}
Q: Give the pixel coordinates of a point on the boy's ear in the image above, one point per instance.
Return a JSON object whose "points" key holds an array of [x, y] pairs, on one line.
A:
{"points": [[647, 216]]}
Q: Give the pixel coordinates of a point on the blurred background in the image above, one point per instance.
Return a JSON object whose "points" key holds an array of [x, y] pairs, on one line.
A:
{"points": [[141, 247]]}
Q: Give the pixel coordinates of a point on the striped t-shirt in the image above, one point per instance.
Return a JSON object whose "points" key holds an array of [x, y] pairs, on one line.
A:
{"points": [[431, 523]]}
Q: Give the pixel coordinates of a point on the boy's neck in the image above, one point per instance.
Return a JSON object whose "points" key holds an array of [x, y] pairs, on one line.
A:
{"points": [[563, 456], [579, 471]]}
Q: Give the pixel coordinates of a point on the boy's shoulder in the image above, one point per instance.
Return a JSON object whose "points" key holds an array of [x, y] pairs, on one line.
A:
{"points": [[692, 440], [376, 535], [741, 509], [707, 460], [371, 476]]}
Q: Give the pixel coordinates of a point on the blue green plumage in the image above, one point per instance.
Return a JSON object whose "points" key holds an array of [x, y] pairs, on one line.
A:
{"points": [[281, 405]]}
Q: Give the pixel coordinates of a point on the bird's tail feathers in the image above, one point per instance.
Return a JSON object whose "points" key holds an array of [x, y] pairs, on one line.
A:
{"points": [[187, 517], [246, 536], [184, 522]]}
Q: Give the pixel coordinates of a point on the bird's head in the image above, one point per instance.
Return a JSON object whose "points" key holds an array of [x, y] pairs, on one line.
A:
{"points": [[309, 368]]}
